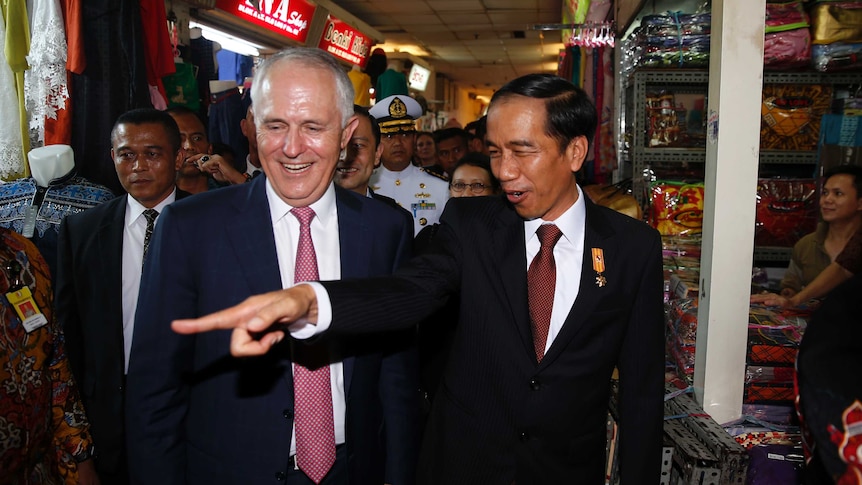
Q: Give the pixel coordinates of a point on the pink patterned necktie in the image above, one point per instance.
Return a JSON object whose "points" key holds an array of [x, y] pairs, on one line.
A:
{"points": [[541, 281], [312, 390]]}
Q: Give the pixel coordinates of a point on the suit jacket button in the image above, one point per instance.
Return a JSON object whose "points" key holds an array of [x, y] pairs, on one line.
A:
{"points": [[535, 384], [524, 437], [280, 476], [287, 413]]}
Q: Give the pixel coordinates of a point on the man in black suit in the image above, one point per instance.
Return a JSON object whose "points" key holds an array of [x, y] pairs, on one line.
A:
{"points": [[555, 292], [101, 252], [197, 415]]}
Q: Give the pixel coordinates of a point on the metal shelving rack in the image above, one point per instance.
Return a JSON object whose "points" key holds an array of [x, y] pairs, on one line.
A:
{"points": [[696, 81]]}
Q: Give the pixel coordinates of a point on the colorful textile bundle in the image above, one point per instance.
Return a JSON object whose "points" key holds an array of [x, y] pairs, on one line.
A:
{"points": [[676, 207], [786, 211]]}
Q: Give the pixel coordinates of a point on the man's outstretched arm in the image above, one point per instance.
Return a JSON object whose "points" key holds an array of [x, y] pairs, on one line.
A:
{"points": [[260, 321]]}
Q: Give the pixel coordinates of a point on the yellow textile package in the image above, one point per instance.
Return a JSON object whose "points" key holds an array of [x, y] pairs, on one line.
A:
{"points": [[790, 115], [836, 22]]}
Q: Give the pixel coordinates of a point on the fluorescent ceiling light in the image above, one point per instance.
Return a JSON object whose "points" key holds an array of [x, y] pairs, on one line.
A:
{"points": [[228, 41]]}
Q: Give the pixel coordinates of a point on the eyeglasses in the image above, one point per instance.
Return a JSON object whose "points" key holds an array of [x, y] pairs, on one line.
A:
{"points": [[475, 187]]}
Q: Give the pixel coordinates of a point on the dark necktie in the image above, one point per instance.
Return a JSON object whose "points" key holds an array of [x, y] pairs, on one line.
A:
{"points": [[541, 281], [150, 215], [312, 390]]}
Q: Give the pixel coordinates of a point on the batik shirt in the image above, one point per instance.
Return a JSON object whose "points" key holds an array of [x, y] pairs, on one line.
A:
{"points": [[43, 427]]}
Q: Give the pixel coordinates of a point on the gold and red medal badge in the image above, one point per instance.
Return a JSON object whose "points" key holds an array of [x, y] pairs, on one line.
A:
{"points": [[599, 267]]}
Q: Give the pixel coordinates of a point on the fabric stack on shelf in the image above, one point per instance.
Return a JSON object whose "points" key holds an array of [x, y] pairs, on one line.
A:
{"points": [[836, 29], [673, 40], [787, 40], [786, 211], [773, 342]]}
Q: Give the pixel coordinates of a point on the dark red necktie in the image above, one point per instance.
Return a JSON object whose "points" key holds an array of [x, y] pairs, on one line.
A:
{"points": [[541, 281], [312, 389]]}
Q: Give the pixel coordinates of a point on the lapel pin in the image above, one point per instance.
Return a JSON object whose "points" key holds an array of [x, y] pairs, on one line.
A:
{"points": [[599, 267]]}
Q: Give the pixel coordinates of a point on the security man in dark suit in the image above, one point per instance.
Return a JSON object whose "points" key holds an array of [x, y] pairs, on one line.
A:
{"points": [[101, 252]]}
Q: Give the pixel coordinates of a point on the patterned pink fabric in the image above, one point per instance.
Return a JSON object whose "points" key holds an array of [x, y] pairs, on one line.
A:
{"points": [[312, 391]]}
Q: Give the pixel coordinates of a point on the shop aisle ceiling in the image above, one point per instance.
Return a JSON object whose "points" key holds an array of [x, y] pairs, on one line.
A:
{"points": [[478, 44]]}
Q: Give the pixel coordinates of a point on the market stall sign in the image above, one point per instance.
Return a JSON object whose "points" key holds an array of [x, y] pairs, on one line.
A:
{"points": [[345, 42], [290, 18]]}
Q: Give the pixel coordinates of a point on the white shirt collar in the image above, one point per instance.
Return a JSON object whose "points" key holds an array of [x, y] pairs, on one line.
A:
{"points": [[571, 222], [324, 207], [134, 209]]}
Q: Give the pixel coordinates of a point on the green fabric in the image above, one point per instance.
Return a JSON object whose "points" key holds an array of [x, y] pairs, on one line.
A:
{"points": [[17, 48]]}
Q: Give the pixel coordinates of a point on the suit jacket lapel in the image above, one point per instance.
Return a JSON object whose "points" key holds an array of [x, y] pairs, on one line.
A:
{"points": [[597, 235], [354, 241], [511, 253], [110, 243], [252, 238]]}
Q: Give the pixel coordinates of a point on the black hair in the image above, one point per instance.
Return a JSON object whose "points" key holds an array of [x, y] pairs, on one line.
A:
{"points": [[854, 171], [447, 133], [182, 110], [479, 160], [571, 113], [150, 116], [375, 128]]}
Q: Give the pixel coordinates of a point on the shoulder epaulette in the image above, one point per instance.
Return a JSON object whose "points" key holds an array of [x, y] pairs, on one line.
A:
{"points": [[440, 176]]}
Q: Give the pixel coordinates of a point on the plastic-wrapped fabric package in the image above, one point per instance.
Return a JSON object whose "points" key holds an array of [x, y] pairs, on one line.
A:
{"points": [[775, 463], [836, 22], [789, 49], [837, 57], [786, 210], [674, 40], [676, 207], [790, 115], [785, 16]]}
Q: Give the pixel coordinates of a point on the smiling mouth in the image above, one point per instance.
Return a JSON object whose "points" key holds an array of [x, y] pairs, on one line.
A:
{"points": [[346, 170], [293, 168]]}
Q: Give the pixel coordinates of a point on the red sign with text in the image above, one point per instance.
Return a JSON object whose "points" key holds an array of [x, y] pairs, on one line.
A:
{"points": [[290, 18], [345, 42]]}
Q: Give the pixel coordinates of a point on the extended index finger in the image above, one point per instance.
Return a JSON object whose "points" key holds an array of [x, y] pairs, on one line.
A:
{"points": [[229, 318]]}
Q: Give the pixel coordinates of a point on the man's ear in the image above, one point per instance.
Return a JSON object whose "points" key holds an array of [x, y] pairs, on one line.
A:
{"points": [[178, 163], [576, 152], [352, 123], [377, 154]]}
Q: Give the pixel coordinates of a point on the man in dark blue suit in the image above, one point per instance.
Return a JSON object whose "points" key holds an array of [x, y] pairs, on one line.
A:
{"points": [[100, 254], [196, 414]]}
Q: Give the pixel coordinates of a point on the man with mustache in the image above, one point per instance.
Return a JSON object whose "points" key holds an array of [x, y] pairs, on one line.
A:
{"points": [[422, 193]]}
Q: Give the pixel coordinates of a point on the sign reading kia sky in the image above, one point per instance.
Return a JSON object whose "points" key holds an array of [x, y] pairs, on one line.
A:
{"points": [[344, 42], [286, 17]]}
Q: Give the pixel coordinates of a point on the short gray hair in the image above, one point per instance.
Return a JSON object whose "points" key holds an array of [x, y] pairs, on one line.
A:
{"points": [[309, 57]]}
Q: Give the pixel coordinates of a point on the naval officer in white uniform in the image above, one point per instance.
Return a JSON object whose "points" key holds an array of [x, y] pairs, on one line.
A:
{"points": [[422, 193]]}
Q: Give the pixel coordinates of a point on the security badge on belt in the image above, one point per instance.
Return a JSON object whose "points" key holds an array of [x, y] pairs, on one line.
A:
{"points": [[599, 267]]}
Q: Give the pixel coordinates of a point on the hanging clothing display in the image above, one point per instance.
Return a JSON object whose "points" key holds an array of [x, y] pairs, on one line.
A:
{"points": [[226, 112], [361, 86], [202, 55], [233, 66], [58, 131], [158, 51], [113, 82], [36, 212], [17, 45], [11, 147], [45, 82]]}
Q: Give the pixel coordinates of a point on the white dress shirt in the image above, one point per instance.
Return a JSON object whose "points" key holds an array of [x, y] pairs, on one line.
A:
{"points": [[568, 256], [324, 234], [569, 259], [134, 230]]}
